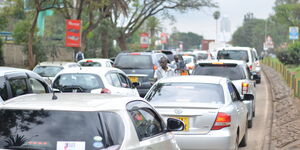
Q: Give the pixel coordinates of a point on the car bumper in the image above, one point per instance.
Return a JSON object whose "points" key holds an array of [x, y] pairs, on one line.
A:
{"points": [[214, 140]]}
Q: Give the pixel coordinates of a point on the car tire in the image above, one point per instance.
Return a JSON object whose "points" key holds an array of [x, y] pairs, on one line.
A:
{"points": [[250, 123], [245, 137]]}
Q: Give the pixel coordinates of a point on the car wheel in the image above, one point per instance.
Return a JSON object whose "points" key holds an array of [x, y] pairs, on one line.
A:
{"points": [[250, 122], [244, 140]]}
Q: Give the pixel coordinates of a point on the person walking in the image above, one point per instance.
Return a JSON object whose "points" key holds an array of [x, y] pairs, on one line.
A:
{"points": [[163, 71], [79, 56], [179, 65]]}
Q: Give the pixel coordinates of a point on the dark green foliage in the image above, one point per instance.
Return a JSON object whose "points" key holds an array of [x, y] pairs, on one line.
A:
{"points": [[291, 55], [190, 40], [2, 63]]}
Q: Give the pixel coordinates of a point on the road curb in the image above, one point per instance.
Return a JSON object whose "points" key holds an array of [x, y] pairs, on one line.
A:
{"points": [[267, 137]]}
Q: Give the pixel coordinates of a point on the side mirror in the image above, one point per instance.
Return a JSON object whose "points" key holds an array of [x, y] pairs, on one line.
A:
{"points": [[248, 97], [175, 124], [136, 84]]}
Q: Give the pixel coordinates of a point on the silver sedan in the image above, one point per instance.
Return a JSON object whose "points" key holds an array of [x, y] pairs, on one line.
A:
{"points": [[215, 116]]}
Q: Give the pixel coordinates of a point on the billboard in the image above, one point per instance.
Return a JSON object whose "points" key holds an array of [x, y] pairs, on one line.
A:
{"points": [[294, 33], [73, 33], [163, 38], [144, 40]]}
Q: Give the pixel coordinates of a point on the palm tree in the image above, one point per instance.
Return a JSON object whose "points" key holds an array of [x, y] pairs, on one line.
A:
{"points": [[216, 17], [153, 25]]}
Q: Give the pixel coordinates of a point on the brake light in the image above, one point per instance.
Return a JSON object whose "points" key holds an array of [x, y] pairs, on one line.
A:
{"points": [[105, 90], [245, 88], [89, 61], [191, 67], [135, 53], [223, 120], [217, 63], [155, 67], [250, 67]]}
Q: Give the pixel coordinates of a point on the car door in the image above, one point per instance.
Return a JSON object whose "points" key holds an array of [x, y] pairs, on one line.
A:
{"points": [[240, 108], [17, 84], [149, 127]]}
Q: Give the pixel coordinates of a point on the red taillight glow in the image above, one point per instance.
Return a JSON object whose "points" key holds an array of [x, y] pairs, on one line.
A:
{"points": [[135, 54], [223, 120], [250, 67], [89, 61], [190, 67], [105, 90], [245, 87]]}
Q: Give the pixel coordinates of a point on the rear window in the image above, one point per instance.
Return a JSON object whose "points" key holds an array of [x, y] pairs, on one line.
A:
{"points": [[134, 62], [90, 64], [232, 72], [187, 93], [233, 55], [81, 82], [49, 130], [202, 56], [48, 71]]}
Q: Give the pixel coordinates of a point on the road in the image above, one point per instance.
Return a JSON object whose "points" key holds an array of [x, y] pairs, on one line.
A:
{"points": [[257, 133]]}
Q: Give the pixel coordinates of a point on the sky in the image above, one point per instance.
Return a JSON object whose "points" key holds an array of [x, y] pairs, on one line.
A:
{"points": [[202, 22]]}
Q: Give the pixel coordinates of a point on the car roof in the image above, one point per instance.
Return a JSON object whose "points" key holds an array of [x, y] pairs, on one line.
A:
{"points": [[95, 59], [225, 61], [235, 48], [94, 70], [55, 63], [194, 79], [5, 70], [140, 53], [69, 102]]}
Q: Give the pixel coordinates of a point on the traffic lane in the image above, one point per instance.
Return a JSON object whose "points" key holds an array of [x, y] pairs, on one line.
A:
{"points": [[257, 133]]}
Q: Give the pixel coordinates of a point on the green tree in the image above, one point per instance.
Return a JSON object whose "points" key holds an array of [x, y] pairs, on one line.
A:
{"points": [[140, 11], [282, 2], [288, 14], [190, 40], [153, 25]]}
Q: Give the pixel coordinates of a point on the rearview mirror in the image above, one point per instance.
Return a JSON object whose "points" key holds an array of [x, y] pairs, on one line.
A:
{"points": [[136, 84], [175, 124], [248, 97]]}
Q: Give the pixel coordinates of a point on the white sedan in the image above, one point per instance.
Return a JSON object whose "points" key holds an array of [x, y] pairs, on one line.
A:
{"points": [[214, 115], [95, 62], [94, 80], [83, 121]]}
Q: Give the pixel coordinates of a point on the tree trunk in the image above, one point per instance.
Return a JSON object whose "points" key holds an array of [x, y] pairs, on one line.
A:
{"points": [[31, 58], [105, 43], [122, 42]]}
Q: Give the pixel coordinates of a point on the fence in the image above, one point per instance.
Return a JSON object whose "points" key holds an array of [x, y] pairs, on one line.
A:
{"points": [[292, 81]]}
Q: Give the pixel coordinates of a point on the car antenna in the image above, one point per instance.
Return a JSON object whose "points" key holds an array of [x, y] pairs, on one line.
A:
{"points": [[54, 97]]}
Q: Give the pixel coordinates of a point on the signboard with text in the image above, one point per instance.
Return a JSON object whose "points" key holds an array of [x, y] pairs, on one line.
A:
{"points": [[144, 40], [294, 33], [73, 33], [163, 38]]}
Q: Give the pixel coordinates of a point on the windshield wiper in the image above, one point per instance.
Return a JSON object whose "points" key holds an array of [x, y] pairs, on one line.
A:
{"points": [[25, 148]]}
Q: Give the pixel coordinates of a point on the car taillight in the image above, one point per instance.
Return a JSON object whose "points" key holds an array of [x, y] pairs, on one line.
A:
{"points": [[245, 87], [135, 54], [190, 67], [155, 67], [105, 90], [223, 120], [89, 61], [250, 67]]}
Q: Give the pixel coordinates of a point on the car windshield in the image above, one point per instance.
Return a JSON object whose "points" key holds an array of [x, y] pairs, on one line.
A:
{"points": [[233, 55], [49, 130], [187, 93], [48, 71], [134, 62], [82, 82], [231, 72], [90, 64]]}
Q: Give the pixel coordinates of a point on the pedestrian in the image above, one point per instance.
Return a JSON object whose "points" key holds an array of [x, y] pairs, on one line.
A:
{"points": [[178, 64], [163, 71], [79, 56]]}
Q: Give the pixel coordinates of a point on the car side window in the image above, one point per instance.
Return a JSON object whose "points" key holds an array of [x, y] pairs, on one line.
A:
{"points": [[3, 89], [18, 86], [115, 80], [37, 86], [124, 81], [232, 92], [108, 64], [145, 120]]}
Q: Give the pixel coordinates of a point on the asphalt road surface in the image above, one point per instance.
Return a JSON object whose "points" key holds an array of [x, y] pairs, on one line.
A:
{"points": [[256, 134]]}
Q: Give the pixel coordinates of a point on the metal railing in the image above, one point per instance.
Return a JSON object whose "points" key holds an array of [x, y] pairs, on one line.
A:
{"points": [[290, 77]]}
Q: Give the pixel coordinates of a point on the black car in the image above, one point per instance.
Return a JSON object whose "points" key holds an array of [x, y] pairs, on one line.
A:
{"points": [[140, 67], [15, 82]]}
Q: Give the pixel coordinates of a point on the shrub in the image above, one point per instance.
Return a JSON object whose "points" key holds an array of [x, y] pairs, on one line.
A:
{"points": [[291, 56]]}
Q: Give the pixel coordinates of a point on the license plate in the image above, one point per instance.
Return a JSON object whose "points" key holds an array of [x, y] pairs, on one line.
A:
{"points": [[134, 79], [185, 120]]}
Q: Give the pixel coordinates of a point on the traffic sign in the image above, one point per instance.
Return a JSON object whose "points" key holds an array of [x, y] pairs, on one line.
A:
{"points": [[144, 40], [294, 33]]}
